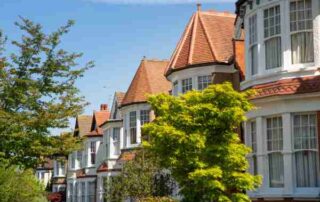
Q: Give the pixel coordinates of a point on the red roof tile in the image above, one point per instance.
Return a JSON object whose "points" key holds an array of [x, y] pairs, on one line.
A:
{"points": [[206, 39], [103, 167], [301, 85], [120, 97], [83, 124], [149, 79]]}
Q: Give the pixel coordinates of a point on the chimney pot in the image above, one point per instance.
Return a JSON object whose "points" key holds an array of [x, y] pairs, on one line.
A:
{"points": [[198, 6], [103, 107]]}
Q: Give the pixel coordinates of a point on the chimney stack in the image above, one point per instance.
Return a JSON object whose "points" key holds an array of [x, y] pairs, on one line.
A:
{"points": [[103, 107]]}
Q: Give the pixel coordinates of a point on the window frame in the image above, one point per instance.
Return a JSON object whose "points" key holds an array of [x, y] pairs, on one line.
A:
{"points": [[116, 141], [133, 127], [209, 79], [188, 86], [93, 152], [294, 151], [277, 150], [279, 35], [252, 44], [297, 31], [144, 116]]}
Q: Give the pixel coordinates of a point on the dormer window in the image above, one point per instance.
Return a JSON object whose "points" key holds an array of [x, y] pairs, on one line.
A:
{"points": [[253, 45], [301, 28], [272, 37]]}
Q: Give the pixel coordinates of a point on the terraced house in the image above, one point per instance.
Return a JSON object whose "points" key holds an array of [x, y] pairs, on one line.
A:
{"points": [[282, 62]]}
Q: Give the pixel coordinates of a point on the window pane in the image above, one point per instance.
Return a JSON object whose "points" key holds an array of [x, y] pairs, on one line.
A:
{"points": [[186, 85], [254, 59], [204, 81], [133, 127], [274, 134], [144, 117], [273, 53], [306, 169], [276, 176]]}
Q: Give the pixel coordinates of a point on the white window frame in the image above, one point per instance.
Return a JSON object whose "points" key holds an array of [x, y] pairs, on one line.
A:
{"points": [[278, 150], [253, 42], [116, 140], [175, 88], [144, 116], [204, 81], [254, 146], [93, 152], [269, 37], [133, 127], [186, 85], [301, 64], [306, 149]]}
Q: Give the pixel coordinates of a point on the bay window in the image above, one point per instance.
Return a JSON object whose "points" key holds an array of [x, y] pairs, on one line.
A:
{"points": [[93, 153], [79, 159], [76, 192], [186, 85], [275, 147], [204, 81], [116, 140], [133, 127], [253, 45], [272, 37], [301, 28], [305, 148]]}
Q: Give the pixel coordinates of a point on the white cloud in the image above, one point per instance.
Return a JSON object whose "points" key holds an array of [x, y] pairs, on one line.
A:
{"points": [[161, 1]]}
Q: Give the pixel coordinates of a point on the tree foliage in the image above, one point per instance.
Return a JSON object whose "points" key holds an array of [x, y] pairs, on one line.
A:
{"points": [[19, 186], [194, 136], [141, 180], [37, 92]]}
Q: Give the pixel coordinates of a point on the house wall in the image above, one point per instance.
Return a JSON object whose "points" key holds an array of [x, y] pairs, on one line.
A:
{"points": [[285, 107]]}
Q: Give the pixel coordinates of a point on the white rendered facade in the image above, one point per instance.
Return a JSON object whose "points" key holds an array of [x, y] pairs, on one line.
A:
{"points": [[283, 130], [44, 175], [178, 78]]}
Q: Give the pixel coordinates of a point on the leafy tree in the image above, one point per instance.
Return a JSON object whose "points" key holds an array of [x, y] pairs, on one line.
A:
{"points": [[19, 186], [141, 180], [194, 137], [37, 92]]}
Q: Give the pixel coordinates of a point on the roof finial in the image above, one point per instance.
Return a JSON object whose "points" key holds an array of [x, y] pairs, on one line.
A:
{"points": [[199, 6]]}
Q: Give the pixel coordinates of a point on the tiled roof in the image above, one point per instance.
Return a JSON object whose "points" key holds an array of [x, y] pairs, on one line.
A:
{"points": [[206, 39], [120, 97], [301, 85], [149, 79], [127, 155], [83, 124], [99, 117], [103, 167]]}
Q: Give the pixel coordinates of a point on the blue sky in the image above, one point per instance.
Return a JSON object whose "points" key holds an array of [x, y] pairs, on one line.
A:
{"points": [[116, 34]]}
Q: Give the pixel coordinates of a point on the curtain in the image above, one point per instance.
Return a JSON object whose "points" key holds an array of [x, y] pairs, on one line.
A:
{"points": [[276, 176], [273, 52], [302, 47], [92, 189], [306, 169]]}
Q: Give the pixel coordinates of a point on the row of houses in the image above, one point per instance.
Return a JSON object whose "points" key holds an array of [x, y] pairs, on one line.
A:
{"points": [[279, 55]]}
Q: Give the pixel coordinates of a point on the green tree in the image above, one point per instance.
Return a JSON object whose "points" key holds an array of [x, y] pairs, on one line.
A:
{"points": [[37, 92], [194, 137], [19, 186], [141, 180]]}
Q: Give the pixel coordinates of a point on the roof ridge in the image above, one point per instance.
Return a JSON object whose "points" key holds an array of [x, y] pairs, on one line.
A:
{"points": [[212, 49], [193, 37], [218, 13], [180, 44]]}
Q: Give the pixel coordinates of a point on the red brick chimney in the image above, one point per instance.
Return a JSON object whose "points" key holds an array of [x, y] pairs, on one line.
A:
{"points": [[103, 107]]}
